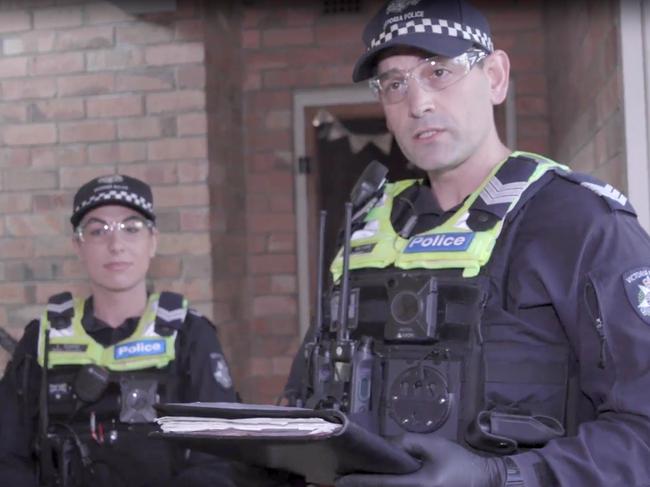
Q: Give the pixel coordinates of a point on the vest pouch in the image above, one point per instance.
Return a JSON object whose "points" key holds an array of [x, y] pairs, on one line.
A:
{"points": [[137, 399], [503, 433]]}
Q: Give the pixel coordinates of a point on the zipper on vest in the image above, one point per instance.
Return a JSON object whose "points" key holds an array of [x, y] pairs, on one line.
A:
{"points": [[596, 317]]}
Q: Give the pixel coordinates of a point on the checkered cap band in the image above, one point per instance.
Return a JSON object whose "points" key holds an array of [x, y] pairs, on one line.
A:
{"points": [[113, 195], [433, 26]]}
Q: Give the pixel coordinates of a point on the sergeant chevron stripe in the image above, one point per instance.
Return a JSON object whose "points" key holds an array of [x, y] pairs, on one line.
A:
{"points": [[171, 315], [495, 192], [607, 191], [60, 308]]}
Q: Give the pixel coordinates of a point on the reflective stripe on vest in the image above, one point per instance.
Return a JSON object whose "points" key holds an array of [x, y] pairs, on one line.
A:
{"points": [[145, 348], [452, 245]]}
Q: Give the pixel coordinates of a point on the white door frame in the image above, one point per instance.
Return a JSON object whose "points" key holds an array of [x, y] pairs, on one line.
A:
{"points": [[302, 99], [635, 59]]}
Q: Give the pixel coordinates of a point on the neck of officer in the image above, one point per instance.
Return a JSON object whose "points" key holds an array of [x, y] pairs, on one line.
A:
{"points": [[114, 307], [451, 186]]}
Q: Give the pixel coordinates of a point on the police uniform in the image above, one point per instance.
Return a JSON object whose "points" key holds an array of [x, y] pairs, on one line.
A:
{"points": [[120, 452], [77, 399], [564, 331]]}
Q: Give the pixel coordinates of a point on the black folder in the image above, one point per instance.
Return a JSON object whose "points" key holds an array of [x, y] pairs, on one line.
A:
{"points": [[320, 458]]}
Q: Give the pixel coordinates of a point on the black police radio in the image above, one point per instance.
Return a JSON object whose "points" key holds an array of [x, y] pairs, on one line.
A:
{"points": [[396, 350]]}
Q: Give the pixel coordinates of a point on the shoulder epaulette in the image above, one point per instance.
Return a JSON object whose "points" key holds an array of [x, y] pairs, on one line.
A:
{"points": [[616, 200]]}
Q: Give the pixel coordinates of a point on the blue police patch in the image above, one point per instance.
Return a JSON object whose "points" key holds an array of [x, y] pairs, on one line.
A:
{"points": [[440, 242], [140, 348], [637, 288]]}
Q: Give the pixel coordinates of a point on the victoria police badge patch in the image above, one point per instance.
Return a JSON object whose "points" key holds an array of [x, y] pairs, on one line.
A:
{"points": [[220, 370], [637, 288]]}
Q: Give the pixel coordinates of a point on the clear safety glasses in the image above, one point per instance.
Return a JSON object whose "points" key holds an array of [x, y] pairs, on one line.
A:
{"points": [[98, 231], [432, 74]]}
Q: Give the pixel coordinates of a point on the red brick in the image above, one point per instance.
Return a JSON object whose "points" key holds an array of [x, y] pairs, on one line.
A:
{"points": [[297, 36], [282, 242], [13, 113], [272, 264], [13, 67], [165, 149], [14, 248], [56, 110], [114, 106], [175, 101], [269, 222], [143, 33], [154, 79], [85, 38], [278, 120], [120, 58], [154, 174], [201, 266], [104, 13], [51, 201], [64, 63], [283, 284], [190, 76], [15, 203], [34, 225], [252, 82], [57, 17], [193, 171], [117, 152], [165, 266], [192, 124], [191, 52], [531, 105], [30, 134], [28, 88], [72, 269], [29, 42], [15, 21], [271, 182], [194, 290], [46, 289], [346, 33], [195, 220], [189, 30], [176, 244], [13, 292], [139, 128], [54, 246], [177, 196], [86, 84], [87, 131], [72, 177], [13, 158], [62, 155], [282, 202], [30, 179]]}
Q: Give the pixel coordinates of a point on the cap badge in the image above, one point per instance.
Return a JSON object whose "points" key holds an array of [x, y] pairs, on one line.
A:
{"points": [[111, 179], [398, 6]]}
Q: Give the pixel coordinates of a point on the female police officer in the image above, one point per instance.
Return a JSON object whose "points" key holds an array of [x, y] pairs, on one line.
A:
{"points": [[76, 402], [542, 380]]}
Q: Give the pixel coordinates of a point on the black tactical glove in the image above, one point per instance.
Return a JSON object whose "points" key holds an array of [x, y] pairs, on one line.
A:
{"points": [[444, 464]]}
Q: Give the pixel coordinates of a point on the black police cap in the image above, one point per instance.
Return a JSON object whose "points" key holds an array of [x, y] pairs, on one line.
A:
{"points": [[113, 190], [440, 27]]}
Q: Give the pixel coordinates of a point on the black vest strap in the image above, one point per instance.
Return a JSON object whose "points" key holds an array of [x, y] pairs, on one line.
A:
{"points": [[60, 310], [501, 190], [170, 314]]}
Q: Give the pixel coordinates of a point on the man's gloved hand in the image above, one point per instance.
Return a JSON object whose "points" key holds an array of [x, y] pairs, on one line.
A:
{"points": [[444, 464]]}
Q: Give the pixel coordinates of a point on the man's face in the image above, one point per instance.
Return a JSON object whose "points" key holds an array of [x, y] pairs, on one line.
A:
{"points": [[439, 130], [116, 260]]}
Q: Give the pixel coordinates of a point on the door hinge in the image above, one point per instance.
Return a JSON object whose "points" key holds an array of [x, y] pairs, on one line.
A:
{"points": [[304, 165]]}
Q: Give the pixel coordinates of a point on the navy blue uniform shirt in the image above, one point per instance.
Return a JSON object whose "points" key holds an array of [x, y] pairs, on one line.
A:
{"points": [[193, 370], [570, 273]]}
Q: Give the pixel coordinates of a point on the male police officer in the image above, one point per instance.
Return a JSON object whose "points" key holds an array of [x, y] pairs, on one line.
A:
{"points": [[523, 287], [76, 401]]}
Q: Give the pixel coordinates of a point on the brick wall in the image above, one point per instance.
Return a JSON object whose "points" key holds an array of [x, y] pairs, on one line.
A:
{"points": [[88, 89], [585, 90]]}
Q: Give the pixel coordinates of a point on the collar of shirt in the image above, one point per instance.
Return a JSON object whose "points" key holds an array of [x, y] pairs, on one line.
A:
{"points": [[420, 202], [103, 333]]}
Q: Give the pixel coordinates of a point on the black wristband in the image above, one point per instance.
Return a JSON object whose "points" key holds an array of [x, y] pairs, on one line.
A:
{"points": [[513, 474]]}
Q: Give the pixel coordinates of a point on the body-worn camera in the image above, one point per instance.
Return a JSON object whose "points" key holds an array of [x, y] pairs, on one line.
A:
{"points": [[414, 338]]}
